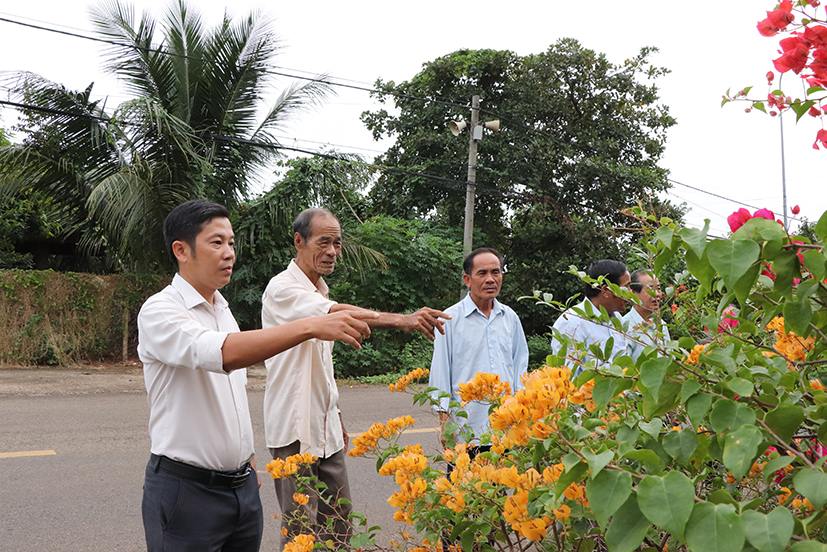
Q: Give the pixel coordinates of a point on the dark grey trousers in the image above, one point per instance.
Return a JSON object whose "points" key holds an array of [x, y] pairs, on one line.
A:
{"points": [[185, 516]]}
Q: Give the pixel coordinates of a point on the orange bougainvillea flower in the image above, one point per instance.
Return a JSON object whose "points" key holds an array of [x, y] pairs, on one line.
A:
{"points": [[302, 543], [367, 442], [403, 382], [484, 388], [300, 498], [584, 396]]}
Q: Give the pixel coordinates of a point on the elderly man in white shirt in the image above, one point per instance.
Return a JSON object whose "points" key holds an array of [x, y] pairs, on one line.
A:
{"points": [[583, 332], [201, 488], [301, 412], [642, 329]]}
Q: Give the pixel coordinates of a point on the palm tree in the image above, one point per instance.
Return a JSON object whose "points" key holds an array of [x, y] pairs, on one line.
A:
{"points": [[199, 99]]}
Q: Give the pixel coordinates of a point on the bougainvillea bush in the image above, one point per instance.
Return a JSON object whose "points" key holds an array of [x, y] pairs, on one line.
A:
{"points": [[712, 446]]}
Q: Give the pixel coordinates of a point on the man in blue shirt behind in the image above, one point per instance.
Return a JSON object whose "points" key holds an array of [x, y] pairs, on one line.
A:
{"points": [[483, 335]]}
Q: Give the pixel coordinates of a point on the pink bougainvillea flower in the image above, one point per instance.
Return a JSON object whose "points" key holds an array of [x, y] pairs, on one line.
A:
{"points": [[794, 57], [737, 219], [816, 35], [770, 77], [821, 136], [796, 209], [764, 213], [814, 111], [777, 20]]}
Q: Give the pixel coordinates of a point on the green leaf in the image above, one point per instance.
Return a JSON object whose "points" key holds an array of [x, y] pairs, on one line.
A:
{"points": [[598, 461], [652, 373], [695, 239], [652, 427], [740, 449], [681, 445], [628, 527], [727, 415], [628, 434], [821, 227], [570, 476], [813, 485], [722, 496], [815, 262], [665, 235], [785, 266], [759, 106], [604, 391], [769, 532], [785, 420], [797, 316], [743, 286], [607, 492], [688, 389], [732, 258], [715, 528], [700, 268], [741, 386], [697, 407], [776, 464], [668, 398], [667, 501], [813, 89], [647, 456], [808, 546]]}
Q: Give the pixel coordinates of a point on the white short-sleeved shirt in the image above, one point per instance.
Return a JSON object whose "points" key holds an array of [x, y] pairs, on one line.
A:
{"points": [[198, 413], [301, 398], [587, 332], [642, 333]]}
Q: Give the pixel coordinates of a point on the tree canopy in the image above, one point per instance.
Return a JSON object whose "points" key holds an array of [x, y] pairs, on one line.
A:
{"points": [[199, 98], [580, 142]]}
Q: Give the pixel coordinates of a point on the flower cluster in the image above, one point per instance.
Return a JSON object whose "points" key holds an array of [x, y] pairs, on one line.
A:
{"points": [[584, 396], [788, 344], [367, 441], [302, 543], [737, 219], [531, 411], [279, 468], [695, 355], [403, 382], [484, 388]]}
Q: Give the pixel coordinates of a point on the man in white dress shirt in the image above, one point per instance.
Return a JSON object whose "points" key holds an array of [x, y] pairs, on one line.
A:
{"points": [[642, 328], [584, 332], [301, 412], [201, 488]]}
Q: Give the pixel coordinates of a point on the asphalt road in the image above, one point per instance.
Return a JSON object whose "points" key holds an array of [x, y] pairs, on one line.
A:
{"points": [[71, 467]]}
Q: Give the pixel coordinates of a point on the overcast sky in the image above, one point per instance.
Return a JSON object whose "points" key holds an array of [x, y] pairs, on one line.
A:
{"points": [[709, 48]]}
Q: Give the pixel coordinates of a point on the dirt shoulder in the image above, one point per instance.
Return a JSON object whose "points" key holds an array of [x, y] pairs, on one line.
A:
{"points": [[84, 379]]}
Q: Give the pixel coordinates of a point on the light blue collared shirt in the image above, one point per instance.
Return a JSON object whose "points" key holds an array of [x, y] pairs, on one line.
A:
{"points": [[586, 333], [474, 343]]}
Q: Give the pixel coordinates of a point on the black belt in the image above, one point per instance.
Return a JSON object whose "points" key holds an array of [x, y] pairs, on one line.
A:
{"points": [[232, 480]]}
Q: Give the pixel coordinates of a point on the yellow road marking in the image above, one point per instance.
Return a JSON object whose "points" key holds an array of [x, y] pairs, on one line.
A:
{"points": [[423, 430], [27, 453]]}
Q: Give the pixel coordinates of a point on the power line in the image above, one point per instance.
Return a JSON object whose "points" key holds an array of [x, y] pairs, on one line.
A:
{"points": [[269, 71]]}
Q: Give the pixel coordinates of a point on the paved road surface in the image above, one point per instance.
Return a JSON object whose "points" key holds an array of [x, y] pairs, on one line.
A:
{"points": [[86, 495]]}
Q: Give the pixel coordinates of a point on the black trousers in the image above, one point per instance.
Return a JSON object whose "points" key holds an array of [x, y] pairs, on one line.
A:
{"points": [[185, 516]]}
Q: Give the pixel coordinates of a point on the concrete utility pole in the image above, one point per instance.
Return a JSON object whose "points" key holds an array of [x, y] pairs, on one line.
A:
{"points": [[468, 235]]}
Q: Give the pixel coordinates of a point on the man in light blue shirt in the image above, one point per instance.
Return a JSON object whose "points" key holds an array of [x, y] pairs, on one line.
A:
{"points": [[584, 332], [483, 335], [643, 329]]}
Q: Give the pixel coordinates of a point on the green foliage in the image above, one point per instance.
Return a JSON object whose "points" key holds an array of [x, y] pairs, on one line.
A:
{"points": [[119, 174], [579, 143], [421, 269], [702, 447]]}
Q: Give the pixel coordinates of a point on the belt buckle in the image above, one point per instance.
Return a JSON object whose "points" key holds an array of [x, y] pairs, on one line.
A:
{"points": [[240, 479]]}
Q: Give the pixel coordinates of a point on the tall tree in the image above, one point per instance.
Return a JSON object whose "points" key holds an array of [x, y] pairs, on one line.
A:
{"points": [[199, 101], [580, 141]]}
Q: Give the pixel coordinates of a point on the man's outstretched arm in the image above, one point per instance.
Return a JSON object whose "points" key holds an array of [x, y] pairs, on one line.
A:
{"points": [[242, 349], [425, 320]]}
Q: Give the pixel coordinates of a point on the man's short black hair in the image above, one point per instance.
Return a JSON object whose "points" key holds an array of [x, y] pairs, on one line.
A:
{"points": [[303, 225], [187, 220], [636, 275], [611, 269], [468, 263]]}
